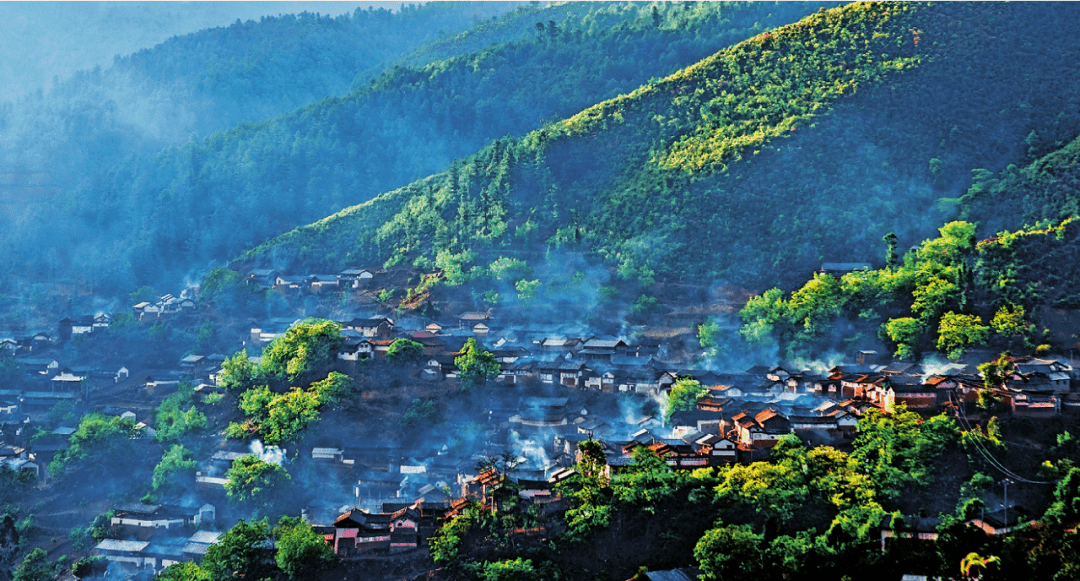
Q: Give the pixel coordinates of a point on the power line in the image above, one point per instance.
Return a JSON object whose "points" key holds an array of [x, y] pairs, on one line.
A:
{"points": [[986, 453]]}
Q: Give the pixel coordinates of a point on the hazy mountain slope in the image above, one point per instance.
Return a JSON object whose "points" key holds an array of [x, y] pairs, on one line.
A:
{"points": [[723, 18], [803, 144], [209, 199], [45, 41], [253, 70], [210, 80]]}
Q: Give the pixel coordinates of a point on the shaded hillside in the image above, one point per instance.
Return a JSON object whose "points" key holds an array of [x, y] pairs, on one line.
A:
{"points": [[43, 44], [803, 144], [575, 20], [213, 79], [1046, 189], [176, 212], [1036, 266], [1016, 288]]}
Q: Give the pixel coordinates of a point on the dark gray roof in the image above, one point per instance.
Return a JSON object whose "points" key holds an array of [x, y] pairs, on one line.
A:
{"points": [[551, 402], [845, 266], [684, 574], [121, 546], [137, 508]]}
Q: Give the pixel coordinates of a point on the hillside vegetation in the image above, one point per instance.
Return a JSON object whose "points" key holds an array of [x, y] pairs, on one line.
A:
{"points": [[162, 214], [802, 144], [1048, 188], [953, 291], [194, 84]]}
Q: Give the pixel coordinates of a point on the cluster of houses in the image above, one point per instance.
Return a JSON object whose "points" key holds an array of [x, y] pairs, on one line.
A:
{"points": [[395, 528], [400, 492], [84, 326], [729, 425], [25, 345], [167, 306], [42, 382], [350, 278], [742, 415], [650, 366], [150, 537], [28, 443], [14, 454]]}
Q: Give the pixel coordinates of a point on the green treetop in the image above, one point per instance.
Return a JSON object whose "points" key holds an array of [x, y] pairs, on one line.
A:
{"points": [[957, 332], [241, 553], [405, 351], [309, 346], [300, 549], [251, 480], [683, 397], [183, 571], [98, 440], [173, 421], [176, 470], [35, 567], [238, 373], [475, 366], [729, 552]]}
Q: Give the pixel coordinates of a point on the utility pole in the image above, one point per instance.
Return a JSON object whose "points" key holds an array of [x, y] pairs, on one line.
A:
{"points": [[1007, 482]]}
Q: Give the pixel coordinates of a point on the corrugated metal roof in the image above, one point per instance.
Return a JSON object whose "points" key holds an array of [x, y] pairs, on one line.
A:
{"points": [[673, 575], [195, 548], [208, 537], [123, 546]]}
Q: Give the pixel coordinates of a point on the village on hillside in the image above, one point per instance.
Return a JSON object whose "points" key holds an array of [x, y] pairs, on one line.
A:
{"points": [[553, 391]]}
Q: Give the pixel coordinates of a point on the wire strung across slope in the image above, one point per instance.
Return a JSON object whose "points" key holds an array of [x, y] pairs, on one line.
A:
{"points": [[962, 415]]}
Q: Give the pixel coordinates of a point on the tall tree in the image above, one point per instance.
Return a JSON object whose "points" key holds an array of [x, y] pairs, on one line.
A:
{"points": [[241, 553], [730, 552], [309, 346], [475, 366], [35, 567], [251, 480], [300, 549], [238, 373], [591, 461], [683, 397], [891, 257], [1066, 505]]}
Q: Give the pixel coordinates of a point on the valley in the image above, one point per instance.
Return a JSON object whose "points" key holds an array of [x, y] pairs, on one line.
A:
{"points": [[531, 291]]}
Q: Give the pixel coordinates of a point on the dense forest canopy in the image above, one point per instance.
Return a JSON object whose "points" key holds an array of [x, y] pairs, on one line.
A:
{"points": [[45, 43], [138, 215], [795, 133]]}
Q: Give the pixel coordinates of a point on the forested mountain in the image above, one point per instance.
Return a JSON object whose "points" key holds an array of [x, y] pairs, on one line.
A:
{"points": [[186, 207], [197, 83], [45, 43], [802, 144], [1031, 248], [1048, 188], [1008, 291]]}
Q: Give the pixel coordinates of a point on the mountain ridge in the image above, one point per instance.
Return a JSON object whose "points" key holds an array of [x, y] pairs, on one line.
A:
{"points": [[663, 208], [159, 214]]}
